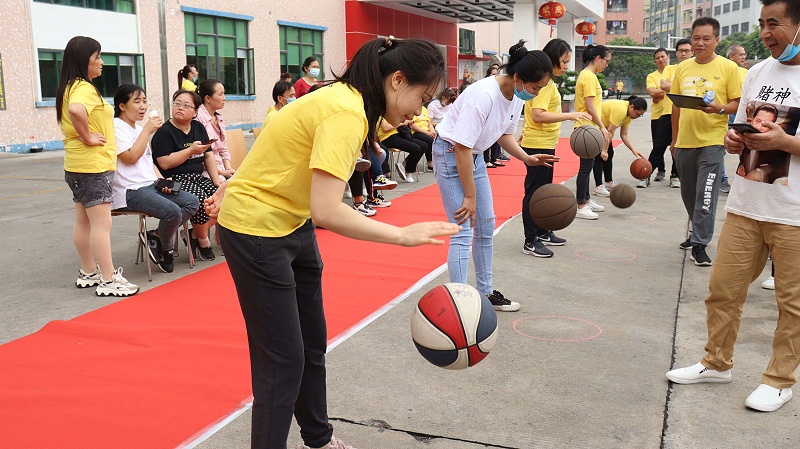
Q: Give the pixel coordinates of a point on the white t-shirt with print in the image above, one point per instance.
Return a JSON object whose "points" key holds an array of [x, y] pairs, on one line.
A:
{"points": [[480, 116], [136, 176], [767, 184]]}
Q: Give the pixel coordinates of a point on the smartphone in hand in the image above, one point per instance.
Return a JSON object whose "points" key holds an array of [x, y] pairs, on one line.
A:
{"points": [[209, 142], [743, 128], [173, 186]]}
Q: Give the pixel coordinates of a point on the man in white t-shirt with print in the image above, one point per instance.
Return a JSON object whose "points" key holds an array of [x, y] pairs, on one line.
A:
{"points": [[763, 216]]}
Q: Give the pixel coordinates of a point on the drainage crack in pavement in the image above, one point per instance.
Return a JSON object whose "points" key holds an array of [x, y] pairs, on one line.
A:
{"points": [[422, 437]]}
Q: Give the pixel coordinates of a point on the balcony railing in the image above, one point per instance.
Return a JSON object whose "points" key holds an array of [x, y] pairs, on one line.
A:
{"points": [[617, 9]]}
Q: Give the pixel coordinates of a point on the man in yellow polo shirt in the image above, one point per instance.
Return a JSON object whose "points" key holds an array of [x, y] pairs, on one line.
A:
{"points": [[660, 117], [698, 134]]}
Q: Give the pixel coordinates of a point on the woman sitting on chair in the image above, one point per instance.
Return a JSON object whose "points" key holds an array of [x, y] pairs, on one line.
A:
{"points": [[134, 186]]}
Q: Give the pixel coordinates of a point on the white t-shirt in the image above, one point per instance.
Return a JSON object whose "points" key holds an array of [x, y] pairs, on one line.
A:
{"points": [[437, 111], [480, 116], [767, 185], [130, 177]]}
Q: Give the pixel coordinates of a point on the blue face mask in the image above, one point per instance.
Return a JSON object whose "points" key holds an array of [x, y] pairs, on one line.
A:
{"points": [[290, 99], [523, 94], [791, 50], [314, 72]]}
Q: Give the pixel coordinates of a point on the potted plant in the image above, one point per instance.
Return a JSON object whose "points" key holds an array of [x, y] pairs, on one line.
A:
{"points": [[566, 87]]}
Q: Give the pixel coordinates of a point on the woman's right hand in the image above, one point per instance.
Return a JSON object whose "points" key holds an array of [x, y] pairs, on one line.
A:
{"points": [[425, 233], [153, 124], [95, 139], [606, 136], [212, 203], [198, 147], [577, 116], [466, 211]]}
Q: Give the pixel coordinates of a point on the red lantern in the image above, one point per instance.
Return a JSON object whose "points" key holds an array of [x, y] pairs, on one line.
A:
{"points": [[552, 11], [585, 29]]}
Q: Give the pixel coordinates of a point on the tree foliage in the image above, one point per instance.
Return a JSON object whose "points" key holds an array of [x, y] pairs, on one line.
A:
{"points": [[623, 41], [634, 64], [752, 44]]}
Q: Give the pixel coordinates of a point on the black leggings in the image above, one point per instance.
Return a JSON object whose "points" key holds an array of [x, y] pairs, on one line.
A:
{"points": [[428, 144], [537, 176], [414, 147], [602, 167], [356, 183], [491, 153], [582, 181]]}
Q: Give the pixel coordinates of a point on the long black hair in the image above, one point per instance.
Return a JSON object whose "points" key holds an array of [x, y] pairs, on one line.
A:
{"points": [[640, 104], [75, 66], [555, 49], [207, 88], [592, 51], [124, 94], [529, 66], [419, 60]]}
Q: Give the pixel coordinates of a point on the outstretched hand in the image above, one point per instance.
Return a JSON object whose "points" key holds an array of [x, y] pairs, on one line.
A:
{"points": [[541, 159], [424, 233]]}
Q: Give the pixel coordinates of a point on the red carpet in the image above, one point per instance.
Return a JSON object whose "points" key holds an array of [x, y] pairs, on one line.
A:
{"points": [[152, 370]]}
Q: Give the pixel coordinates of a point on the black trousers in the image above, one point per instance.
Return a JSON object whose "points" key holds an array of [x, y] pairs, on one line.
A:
{"points": [[604, 168], [582, 180], [428, 144], [491, 153], [414, 147], [279, 284], [536, 177], [661, 131]]}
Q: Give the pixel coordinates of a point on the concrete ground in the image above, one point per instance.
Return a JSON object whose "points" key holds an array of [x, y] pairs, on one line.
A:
{"points": [[581, 365]]}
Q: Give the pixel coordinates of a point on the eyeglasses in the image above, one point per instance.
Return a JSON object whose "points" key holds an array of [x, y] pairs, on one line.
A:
{"points": [[179, 105], [685, 51]]}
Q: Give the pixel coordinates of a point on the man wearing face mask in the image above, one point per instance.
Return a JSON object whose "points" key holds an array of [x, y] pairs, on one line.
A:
{"points": [[282, 94], [762, 218], [312, 71]]}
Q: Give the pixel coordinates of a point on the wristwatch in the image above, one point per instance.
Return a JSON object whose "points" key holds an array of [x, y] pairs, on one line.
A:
{"points": [[722, 111]]}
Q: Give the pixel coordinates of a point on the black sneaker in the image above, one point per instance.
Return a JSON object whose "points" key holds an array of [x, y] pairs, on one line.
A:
{"points": [[154, 247], [536, 249], [700, 257], [167, 263], [551, 239], [686, 245], [502, 304], [205, 253]]}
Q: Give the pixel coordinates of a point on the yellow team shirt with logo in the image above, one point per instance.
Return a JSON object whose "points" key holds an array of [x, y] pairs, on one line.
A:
{"points": [[615, 112], [78, 157], [270, 195], [381, 135], [663, 107], [697, 129], [587, 85], [542, 135], [423, 120]]}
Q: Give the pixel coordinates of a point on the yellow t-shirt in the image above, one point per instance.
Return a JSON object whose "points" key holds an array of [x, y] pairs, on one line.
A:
{"points": [[542, 135], [663, 107], [696, 128], [615, 112], [189, 85], [270, 195], [742, 75], [267, 118], [80, 158], [587, 85], [620, 85], [384, 135], [423, 120]]}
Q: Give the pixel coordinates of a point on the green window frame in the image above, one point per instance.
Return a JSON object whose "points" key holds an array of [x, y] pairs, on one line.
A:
{"points": [[296, 44], [218, 47], [118, 69], [123, 6], [466, 41]]}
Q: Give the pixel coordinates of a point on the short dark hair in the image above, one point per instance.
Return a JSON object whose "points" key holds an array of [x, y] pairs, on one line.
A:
{"points": [[766, 107], [195, 97], [308, 62], [529, 66], [659, 50], [124, 94], [555, 49], [285, 75], [707, 21], [279, 88], [684, 41], [592, 51], [792, 8]]}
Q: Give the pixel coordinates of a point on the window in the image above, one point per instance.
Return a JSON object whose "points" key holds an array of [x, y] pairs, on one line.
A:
{"points": [[736, 5], [296, 45], [617, 27], [725, 31], [118, 69], [466, 41], [217, 46], [726, 8], [617, 5], [745, 27], [734, 28], [125, 6], [707, 12], [717, 10], [745, 4]]}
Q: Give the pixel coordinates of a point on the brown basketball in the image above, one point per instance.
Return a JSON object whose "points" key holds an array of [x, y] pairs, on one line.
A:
{"points": [[586, 141], [641, 168], [623, 195], [553, 207]]}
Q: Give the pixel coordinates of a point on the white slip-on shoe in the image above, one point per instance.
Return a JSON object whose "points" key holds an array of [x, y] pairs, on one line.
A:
{"points": [[768, 399], [602, 191], [586, 213], [769, 283], [698, 373], [595, 206]]}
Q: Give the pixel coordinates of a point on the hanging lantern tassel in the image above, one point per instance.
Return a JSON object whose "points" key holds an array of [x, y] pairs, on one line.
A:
{"points": [[552, 11]]}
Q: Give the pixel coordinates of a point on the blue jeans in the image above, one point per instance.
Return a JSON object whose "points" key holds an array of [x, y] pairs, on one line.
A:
{"points": [[173, 209], [480, 233], [375, 169]]}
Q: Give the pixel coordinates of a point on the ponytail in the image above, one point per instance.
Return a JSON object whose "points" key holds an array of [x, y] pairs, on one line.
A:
{"points": [[592, 51], [529, 66], [184, 74], [640, 104]]}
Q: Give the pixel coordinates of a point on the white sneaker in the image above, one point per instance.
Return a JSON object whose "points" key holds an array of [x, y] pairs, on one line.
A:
{"points": [[401, 170], [610, 184], [643, 184], [698, 373], [409, 178], [769, 283], [601, 191], [586, 213], [364, 209], [347, 192], [595, 207], [116, 286], [768, 399], [88, 279]]}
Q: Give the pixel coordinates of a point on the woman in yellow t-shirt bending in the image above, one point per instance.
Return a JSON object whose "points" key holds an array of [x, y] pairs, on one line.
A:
{"points": [[617, 115], [540, 135], [296, 175], [90, 158], [589, 99]]}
